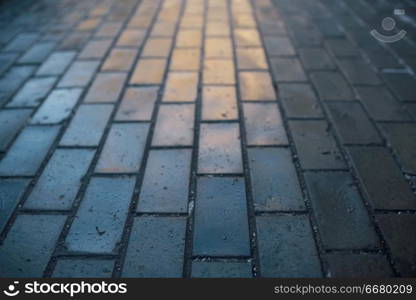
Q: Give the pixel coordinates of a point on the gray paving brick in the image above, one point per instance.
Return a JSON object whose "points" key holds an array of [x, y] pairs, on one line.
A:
{"points": [[123, 149], [287, 247], [87, 126], [79, 74], [74, 41], [137, 104], [38, 52], [398, 230], [342, 48], [131, 37], [120, 60], [100, 219], [212, 269], [95, 49], [110, 29], [382, 179], [60, 181], [16, 260], [315, 145], [221, 222], [12, 80], [287, 69], [166, 182], [264, 125], [33, 92], [180, 118], [156, 248], [21, 42], [11, 190], [57, 63], [299, 101], [57, 107], [11, 120], [358, 72], [275, 185], [83, 268], [403, 85], [402, 138], [220, 149], [340, 212], [363, 265], [279, 46], [412, 109], [316, 59], [219, 103], [6, 61], [24, 160], [381, 105], [352, 124], [331, 86], [106, 87]]}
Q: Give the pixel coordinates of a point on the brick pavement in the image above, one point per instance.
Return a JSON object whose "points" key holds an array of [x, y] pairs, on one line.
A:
{"points": [[206, 138]]}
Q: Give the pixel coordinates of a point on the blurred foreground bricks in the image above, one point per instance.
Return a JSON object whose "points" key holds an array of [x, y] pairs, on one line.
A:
{"points": [[206, 138]]}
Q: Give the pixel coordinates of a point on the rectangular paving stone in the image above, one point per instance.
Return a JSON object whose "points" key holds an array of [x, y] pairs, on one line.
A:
{"points": [[11, 120], [213, 269], [89, 24], [24, 160], [299, 101], [398, 230], [11, 191], [192, 21], [99, 222], [119, 60], [219, 103], [21, 42], [179, 117], [287, 247], [57, 107], [287, 69], [79, 74], [221, 223], [37, 53], [106, 87], [181, 87], [33, 92], [352, 124], [163, 29], [217, 28], [218, 71], [156, 248], [191, 38], [402, 138], [57, 63], [359, 72], [343, 221], [166, 182], [123, 149], [131, 37], [218, 47], [315, 145], [342, 48], [251, 58], [87, 126], [157, 47], [274, 181], [247, 37], [95, 49], [279, 46], [382, 179], [381, 105], [74, 41], [36, 231], [256, 86], [331, 86], [6, 61], [137, 104], [363, 265], [264, 125], [110, 29], [61, 179], [83, 268], [316, 59], [149, 71], [220, 149], [185, 59], [402, 84]]}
